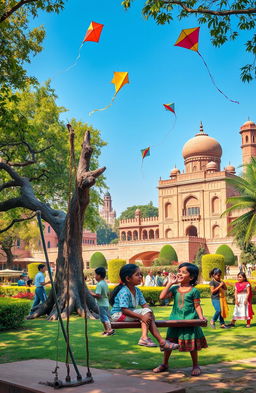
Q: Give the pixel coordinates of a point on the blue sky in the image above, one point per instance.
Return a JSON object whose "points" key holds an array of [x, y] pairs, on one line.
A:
{"points": [[159, 73]]}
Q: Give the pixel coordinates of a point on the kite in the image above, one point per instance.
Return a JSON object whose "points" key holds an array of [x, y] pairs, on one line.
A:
{"points": [[188, 39], [119, 80], [93, 34], [145, 152], [170, 107]]}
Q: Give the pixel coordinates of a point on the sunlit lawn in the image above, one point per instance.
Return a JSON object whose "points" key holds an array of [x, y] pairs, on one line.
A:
{"points": [[37, 339]]}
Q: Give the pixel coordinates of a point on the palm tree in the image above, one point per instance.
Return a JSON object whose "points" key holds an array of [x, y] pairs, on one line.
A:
{"points": [[243, 228]]}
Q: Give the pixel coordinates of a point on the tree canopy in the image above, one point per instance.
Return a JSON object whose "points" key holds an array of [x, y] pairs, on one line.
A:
{"points": [[146, 211], [225, 20], [105, 234]]}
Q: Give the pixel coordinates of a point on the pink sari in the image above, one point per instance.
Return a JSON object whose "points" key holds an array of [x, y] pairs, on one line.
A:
{"points": [[241, 287]]}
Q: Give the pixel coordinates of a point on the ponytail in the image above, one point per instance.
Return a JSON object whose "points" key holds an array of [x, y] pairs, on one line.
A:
{"points": [[114, 293], [126, 271]]}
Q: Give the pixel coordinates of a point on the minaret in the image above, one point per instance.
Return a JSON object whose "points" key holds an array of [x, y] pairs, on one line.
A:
{"points": [[248, 135]]}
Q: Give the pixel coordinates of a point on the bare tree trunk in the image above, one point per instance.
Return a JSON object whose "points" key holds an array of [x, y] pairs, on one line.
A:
{"points": [[6, 246], [70, 248]]}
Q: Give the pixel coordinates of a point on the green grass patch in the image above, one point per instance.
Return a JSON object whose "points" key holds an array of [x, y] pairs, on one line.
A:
{"points": [[37, 339]]}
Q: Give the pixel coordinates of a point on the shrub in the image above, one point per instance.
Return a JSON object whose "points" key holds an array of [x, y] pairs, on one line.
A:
{"points": [[97, 260], [210, 261], [13, 312], [226, 251], [15, 290], [33, 269], [167, 255], [114, 267]]}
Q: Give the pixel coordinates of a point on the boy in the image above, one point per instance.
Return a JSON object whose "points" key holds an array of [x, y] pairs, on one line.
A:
{"points": [[101, 295], [40, 294]]}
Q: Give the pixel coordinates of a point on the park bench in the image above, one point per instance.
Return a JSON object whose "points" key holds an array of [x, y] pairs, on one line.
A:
{"points": [[159, 323]]}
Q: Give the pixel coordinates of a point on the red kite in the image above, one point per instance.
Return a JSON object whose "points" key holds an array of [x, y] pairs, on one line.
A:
{"points": [[188, 39], [170, 107]]}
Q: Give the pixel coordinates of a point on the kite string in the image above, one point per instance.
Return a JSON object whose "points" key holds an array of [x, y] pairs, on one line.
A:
{"points": [[106, 107], [213, 81]]}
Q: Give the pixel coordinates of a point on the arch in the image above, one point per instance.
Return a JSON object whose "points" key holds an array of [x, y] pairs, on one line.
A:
{"points": [[215, 231], [49, 229], [129, 235], [123, 236], [194, 169], [191, 206], [157, 234], [168, 233], [144, 234], [147, 257], [135, 235], [215, 205], [151, 234], [253, 138], [246, 139], [168, 210], [191, 231]]}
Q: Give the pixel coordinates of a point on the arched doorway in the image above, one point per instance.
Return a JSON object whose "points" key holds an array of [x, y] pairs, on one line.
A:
{"points": [[151, 234], [191, 231]]}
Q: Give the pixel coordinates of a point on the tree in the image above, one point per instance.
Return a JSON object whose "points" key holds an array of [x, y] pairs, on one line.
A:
{"points": [[34, 170], [243, 228], [198, 257], [225, 20], [105, 234], [146, 211], [18, 41]]}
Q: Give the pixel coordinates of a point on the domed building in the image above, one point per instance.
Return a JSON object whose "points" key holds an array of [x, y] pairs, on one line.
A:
{"points": [[191, 203]]}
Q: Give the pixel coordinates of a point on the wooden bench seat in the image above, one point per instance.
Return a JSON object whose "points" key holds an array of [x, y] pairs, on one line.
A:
{"points": [[176, 323]]}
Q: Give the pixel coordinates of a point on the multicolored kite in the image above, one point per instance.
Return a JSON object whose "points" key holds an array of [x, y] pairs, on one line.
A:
{"points": [[170, 107], [93, 34], [188, 39], [119, 80], [145, 152]]}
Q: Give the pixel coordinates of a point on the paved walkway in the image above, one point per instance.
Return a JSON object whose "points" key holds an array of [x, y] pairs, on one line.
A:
{"points": [[226, 377]]}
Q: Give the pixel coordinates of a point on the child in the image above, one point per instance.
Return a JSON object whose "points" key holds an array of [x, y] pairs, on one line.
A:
{"points": [[186, 306], [101, 295], [243, 299], [219, 302], [125, 300]]}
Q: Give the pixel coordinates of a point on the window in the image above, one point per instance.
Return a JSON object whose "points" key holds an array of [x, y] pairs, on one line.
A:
{"points": [[193, 211], [246, 139], [168, 207], [215, 205], [18, 243], [48, 244], [49, 229]]}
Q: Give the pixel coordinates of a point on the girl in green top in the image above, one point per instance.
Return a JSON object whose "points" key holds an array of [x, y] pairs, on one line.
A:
{"points": [[186, 306]]}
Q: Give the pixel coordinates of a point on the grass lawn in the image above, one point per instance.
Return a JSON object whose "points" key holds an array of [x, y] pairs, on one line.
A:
{"points": [[37, 339]]}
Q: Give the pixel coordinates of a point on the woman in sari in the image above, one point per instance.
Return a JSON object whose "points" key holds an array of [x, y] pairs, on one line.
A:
{"points": [[243, 301]]}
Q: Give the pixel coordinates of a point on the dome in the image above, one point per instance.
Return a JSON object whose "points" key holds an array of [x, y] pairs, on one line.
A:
{"points": [[174, 172], [230, 169], [211, 166], [107, 194], [247, 125], [202, 145]]}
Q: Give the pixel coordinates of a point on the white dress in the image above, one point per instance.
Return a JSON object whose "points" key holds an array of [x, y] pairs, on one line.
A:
{"points": [[241, 311]]}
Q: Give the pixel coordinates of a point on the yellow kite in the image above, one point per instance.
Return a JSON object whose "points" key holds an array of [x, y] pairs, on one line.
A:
{"points": [[119, 80]]}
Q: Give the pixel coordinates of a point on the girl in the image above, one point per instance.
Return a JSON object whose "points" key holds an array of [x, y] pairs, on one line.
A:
{"points": [[186, 306], [243, 300], [125, 300], [219, 302]]}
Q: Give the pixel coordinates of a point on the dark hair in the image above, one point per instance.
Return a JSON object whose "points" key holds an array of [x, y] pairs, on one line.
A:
{"points": [[214, 271], [126, 271], [101, 271], [41, 266], [21, 276], [243, 275], [193, 271]]}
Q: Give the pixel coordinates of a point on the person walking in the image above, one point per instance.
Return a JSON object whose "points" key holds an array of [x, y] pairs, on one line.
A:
{"points": [[40, 294]]}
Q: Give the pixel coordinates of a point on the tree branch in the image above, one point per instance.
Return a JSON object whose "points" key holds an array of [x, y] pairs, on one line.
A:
{"points": [[9, 184], [202, 10], [15, 221], [7, 14]]}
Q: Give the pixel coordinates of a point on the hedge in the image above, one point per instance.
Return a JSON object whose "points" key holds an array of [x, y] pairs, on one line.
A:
{"points": [[167, 255], [209, 262], [8, 290], [33, 269], [13, 312], [114, 267], [226, 251], [98, 260]]}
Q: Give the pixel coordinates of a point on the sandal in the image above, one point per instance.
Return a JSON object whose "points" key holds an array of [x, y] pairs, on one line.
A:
{"points": [[196, 371], [168, 346], [146, 343], [212, 325], [110, 333], [160, 369]]}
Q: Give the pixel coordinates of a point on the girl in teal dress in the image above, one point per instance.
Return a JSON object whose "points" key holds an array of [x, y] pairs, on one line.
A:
{"points": [[186, 306]]}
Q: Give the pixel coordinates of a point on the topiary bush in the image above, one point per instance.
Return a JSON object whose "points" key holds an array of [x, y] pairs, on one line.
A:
{"points": [[13, 312], [114, 267], [226, 251], [209, 262], [97, 260], [33, 269], [167, 255]]}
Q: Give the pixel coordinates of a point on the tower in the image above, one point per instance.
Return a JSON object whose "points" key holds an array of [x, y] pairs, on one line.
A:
{"points": [[107, 212], [248, 135]]}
